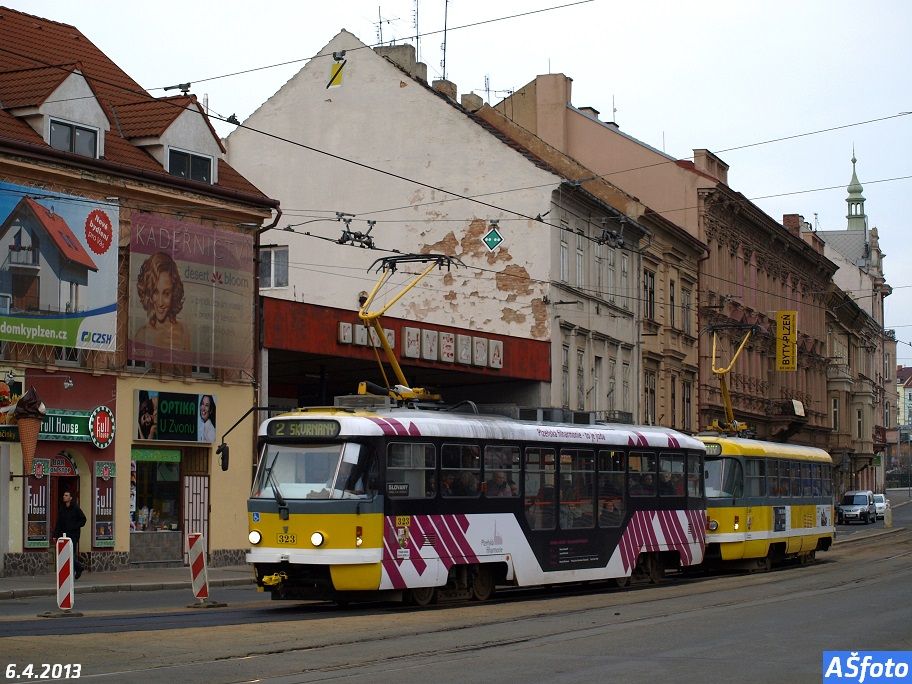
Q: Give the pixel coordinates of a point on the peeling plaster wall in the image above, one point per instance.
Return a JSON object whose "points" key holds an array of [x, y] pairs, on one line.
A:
{"points": [[381, 117]]}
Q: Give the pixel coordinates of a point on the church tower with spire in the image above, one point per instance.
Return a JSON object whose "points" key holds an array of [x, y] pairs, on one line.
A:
{"points": [[856, 216]]}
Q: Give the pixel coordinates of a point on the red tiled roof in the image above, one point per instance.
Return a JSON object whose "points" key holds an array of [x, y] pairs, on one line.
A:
{"points": [[14, 129], [150, 117], [153, 117], [31, 87], [60, 233], [41, 46]]}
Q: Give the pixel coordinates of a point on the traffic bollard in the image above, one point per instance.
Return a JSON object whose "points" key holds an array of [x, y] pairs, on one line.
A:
{"points": [[65, 585], [199, 576]]}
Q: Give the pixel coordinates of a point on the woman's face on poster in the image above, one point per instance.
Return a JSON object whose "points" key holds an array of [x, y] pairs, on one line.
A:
{"points": [[161, 297], [205, 408]]}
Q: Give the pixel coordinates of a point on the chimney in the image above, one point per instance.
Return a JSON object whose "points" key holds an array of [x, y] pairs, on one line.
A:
{"points": [[472, 102], [448, 88], [710, 164], [591, 112], [403, 56], [793, 222]]}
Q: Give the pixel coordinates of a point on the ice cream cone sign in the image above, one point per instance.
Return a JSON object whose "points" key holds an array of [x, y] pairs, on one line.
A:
{"points": [[29, 413]]}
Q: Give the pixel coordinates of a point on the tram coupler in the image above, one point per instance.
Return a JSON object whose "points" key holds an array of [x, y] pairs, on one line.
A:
{"points": [[274, 580]]}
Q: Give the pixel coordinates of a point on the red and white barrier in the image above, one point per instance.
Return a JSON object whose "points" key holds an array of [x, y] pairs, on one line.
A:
{"points": [[196, 545], [65, 573]]}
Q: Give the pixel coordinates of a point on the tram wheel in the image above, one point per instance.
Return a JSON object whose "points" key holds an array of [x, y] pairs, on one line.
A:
{"points": [[422, 596], [483, 583], [764, 564], [622, 582], [656, 569]]}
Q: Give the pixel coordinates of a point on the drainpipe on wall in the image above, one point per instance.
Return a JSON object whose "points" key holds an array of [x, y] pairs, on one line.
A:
{"points": [[261, 375]]}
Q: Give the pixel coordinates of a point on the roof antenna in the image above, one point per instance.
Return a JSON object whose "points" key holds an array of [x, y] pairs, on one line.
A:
{"points": [[417, 34], [446, 7]]}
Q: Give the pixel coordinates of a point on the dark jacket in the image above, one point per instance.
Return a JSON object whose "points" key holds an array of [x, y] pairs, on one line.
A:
{"points": [[70, 520]]}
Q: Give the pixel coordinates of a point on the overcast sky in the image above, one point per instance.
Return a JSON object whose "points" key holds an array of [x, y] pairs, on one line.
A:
{"points": [[718, 75]]}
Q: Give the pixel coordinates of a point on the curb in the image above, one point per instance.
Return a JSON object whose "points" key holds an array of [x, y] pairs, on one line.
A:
{"points": [[110, 588], [872, 535]]}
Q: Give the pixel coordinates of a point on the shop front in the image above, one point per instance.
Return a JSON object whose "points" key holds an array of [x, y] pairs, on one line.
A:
{"points": [[169, 473], [74, 454]]}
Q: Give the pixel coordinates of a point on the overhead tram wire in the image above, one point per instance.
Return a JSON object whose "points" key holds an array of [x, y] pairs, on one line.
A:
{"points": [[432, 187], [454, 194]]}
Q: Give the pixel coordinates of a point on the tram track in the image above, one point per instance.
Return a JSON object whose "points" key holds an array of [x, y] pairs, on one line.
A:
{"points": [[328, 649]]}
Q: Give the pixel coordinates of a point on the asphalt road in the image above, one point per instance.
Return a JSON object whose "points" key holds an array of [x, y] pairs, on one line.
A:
{"points": [[734, 628]]}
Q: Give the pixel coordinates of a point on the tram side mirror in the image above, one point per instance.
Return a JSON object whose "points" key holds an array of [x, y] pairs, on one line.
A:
{"points": [[222, 452]]}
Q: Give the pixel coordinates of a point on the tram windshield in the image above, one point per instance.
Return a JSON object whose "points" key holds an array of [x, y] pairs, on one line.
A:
{"points": [[310, 471], [724, 478]]}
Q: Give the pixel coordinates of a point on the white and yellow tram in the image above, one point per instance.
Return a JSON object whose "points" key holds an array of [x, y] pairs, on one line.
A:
{"points": [[355, 503], [767, 502]]}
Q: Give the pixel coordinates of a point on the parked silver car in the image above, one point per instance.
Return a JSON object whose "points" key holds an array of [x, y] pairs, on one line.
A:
{"points": [[856, 506], [881, 504]]}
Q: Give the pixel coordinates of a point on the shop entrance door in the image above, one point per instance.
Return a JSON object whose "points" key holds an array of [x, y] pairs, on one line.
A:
{"points": [[59, 485], [196, 509]]}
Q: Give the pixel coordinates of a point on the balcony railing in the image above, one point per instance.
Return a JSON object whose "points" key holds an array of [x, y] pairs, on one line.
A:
{"points": [[625, 417], [839, 371]]}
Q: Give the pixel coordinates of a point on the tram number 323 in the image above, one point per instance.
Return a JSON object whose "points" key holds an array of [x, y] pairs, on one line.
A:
{"points": [[286, 538]]}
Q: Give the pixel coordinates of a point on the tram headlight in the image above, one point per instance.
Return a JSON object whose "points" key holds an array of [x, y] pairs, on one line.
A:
{"points": [[712, 525], [316, 539], [359, 539], [254, 537]]}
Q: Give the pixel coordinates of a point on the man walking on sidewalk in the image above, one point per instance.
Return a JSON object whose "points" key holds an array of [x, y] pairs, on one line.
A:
{"points": [[70, 521]]}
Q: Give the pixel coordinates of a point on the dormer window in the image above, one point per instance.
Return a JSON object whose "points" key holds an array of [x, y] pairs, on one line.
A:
{"points": [[190, 166], [72, 138]]}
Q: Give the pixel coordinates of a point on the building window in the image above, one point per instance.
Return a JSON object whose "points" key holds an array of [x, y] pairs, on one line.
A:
{"points": [[673, 401], [625, 280], [274, 267], [158, 491], [190, 166], [580, 260], [859, 424], [685, 311], [649, 294], [625, 385], [650, 397], [834, 413], [596, 382], [671, 304], [72, 138], [610, 283], [565, 376], [580, 380], [687, 401], [612, 382], [599, 275], [67, 355], [564, 261]]}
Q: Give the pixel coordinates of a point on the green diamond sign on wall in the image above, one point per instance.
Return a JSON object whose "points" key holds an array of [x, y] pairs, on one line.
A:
{"points": [[492, 239]]}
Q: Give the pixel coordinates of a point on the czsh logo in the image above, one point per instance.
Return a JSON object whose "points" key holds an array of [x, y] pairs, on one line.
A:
{"points": [[96, 337]]}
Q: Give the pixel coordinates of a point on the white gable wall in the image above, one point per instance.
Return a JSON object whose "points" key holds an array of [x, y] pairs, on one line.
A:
{"points": [[73, 101], [381, 117], [188, 133]]}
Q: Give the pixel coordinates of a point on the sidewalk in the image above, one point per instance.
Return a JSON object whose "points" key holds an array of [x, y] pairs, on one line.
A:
{"points": [[157, 579], [138, 579]]}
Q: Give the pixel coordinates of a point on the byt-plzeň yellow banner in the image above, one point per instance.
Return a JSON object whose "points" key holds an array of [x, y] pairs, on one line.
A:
{"points": [[786, 340]]}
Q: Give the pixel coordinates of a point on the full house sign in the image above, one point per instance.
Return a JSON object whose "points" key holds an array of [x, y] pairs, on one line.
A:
{"points": [[96, 426]]}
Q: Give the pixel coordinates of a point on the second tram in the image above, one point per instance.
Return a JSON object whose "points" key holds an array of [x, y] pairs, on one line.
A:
{"points": [[767, 502], [358, 503]]}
